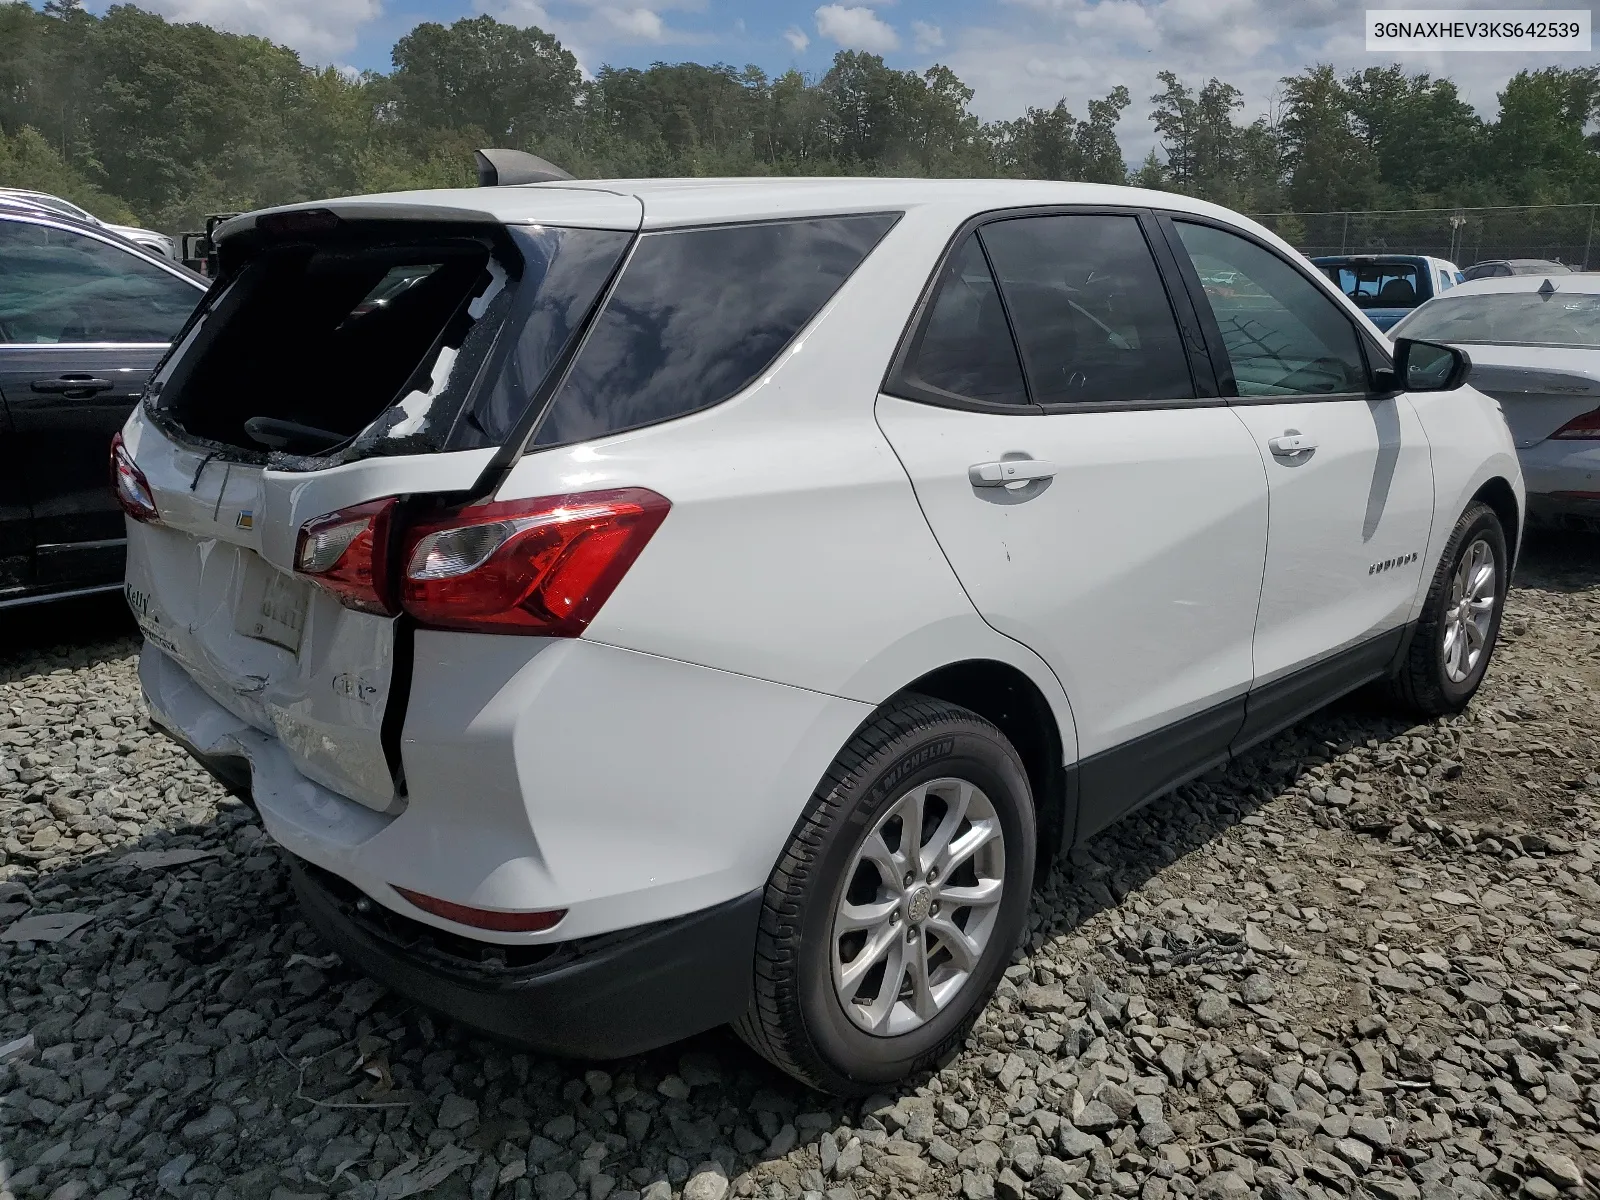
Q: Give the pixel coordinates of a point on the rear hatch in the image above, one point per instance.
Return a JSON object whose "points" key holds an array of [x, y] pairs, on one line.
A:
{"points": [[340, 360]]}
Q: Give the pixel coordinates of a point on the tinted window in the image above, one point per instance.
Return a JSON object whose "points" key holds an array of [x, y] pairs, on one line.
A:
{"points": [[566, 268], [61, 286], [1284, 336], [698, 315], [1091, 314], [964, 348]]}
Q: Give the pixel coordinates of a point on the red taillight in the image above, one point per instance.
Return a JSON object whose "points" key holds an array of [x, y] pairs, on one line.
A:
{"points": [[132, 488], [1585, 427], [498, 919], [347, 552], [541, 566]]}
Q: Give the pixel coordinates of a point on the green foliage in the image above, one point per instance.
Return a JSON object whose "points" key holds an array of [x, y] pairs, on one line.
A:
{"points": [[139, 118], [28, 161]]}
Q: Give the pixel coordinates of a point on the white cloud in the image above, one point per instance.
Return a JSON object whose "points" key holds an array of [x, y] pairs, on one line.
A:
{"points": [[520, 12], [856, 28], [1118, 18], [926, 37], [639, 23], [797, 39], [319, 29], [1035, 52]]}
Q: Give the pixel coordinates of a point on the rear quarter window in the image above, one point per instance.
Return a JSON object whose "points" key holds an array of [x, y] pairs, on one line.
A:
{"points": [[697, 315]]}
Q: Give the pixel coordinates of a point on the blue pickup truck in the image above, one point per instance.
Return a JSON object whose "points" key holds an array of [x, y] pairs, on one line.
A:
{"points": [[1388, 286]]}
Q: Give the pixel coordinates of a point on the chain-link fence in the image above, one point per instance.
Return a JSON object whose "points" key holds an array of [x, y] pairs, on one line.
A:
{"points": [[1566, 233]]}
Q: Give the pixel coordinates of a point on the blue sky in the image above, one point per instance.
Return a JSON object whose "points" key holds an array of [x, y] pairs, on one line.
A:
{"points": [[1014, 53]]}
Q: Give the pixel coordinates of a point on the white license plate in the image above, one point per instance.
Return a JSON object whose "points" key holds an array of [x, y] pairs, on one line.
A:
{"points": [[272, 605]]}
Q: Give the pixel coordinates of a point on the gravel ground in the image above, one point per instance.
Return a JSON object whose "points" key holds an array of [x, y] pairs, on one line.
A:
{"points": [[1357, 963]]}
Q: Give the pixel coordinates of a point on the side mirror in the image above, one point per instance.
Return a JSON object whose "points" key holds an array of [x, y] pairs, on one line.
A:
{"points": [[1429, 367]]}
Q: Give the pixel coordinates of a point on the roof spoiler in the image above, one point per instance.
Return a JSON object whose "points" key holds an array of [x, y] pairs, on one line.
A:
{"points": [[500, 167]]}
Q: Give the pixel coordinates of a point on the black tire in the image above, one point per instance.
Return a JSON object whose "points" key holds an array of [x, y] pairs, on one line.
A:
{"points": [[1422, 686], [796, 1019]]}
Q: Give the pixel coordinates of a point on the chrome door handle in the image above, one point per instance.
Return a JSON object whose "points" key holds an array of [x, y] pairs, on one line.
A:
{"points": [[1292, 443], [1013, 472]]}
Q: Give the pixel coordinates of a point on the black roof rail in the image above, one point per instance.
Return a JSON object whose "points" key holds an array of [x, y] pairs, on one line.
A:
{"points": [[499, 167]]}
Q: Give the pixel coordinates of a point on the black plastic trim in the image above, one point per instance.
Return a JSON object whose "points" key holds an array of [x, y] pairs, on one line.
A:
{"points": [[1115, 782], [1277, 705], [601, 997], [1105, 787]]}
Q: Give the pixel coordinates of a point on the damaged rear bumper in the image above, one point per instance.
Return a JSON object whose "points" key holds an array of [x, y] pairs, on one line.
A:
{"points": [[599, 997]]}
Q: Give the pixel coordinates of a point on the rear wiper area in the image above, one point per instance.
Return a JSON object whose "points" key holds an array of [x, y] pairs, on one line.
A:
{"points": [[290, 436]]}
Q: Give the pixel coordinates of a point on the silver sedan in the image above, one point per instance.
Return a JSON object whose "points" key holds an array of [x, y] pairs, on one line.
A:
{"points": [[1534, 341]]}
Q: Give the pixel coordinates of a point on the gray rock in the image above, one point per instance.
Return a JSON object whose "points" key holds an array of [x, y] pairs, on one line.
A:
{"points": [[1074, 1143], [1213, 1010], [980, 1156], [1557, 1168], [1357, 1153], [1156, 1133], [709, 1182], [977, 1185], [1373, 1131], [559, 1185], [1096, 1117], [456, 1111], [849, 1159], [203, 1129], [170, 1177], [1223, 1185], [1257, 989], [1008, 1185]]}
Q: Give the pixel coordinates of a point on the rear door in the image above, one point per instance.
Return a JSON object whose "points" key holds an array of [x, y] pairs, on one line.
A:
{"points": [[1349, 472], [1096, 500], [82, 322], [16, 520], [421, 370]]}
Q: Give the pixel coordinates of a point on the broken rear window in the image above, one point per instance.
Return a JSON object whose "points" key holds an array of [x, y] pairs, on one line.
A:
{"points": [[373, 341]]}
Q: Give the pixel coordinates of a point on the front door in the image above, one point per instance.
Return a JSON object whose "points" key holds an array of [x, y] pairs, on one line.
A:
{"points": [[1349, 474], [82, 322], [1092, 504]]}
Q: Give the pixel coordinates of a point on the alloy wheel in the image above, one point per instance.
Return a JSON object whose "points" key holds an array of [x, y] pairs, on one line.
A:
{"points": [[919, 905], [1470, 611]]}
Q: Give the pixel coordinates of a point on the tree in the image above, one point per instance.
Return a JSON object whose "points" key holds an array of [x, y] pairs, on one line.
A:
{"points": [[1539, 148], [1421, 138], [1050, 143], [1099, 152], [516, 85], [1328, 165], [138, 117], [1202, 144]]}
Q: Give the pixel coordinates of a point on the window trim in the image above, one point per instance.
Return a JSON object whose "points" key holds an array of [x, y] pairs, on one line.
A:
{"points": [[1374, 356], [896, 382], [524, 441], [136, 251]]}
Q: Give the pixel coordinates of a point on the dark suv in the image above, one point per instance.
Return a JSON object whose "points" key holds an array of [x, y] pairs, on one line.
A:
{"points": [[84, 316]]}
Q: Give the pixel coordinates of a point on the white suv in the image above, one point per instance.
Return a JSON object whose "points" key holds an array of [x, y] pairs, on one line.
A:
{"points": [[643, 605]]}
